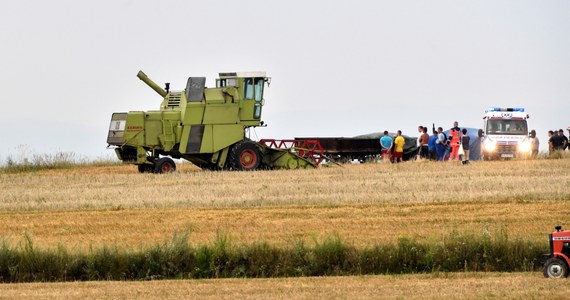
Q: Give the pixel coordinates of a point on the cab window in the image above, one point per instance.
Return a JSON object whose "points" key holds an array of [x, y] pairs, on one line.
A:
{"points": [[226, 82], [259, 88], [248, 88]]}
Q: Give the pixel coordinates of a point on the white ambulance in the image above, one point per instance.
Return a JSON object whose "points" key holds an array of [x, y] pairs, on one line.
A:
{"points": [[505, 133]]}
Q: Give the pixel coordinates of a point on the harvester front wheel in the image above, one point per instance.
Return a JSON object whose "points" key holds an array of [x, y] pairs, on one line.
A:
{"points": [[165, 165], [555, 268], [245, 156]]}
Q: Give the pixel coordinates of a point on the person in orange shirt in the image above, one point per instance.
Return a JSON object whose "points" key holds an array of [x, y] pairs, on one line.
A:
{"points": [[455, 136]]}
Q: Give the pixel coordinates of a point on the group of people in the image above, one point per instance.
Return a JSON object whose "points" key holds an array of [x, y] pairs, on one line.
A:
{"points": [[392, 149], [557, 141], [453, 147], [438, 146]]}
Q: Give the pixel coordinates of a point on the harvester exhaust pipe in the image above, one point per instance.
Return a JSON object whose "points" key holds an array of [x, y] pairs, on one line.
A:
{"points": [[142, 76]]}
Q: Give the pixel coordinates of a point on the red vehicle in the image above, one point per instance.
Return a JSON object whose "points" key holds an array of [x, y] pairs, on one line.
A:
{"points": [[555, 264]]}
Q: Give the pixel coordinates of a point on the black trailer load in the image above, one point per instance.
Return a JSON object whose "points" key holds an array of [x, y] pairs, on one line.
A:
{"points": [[362, 148]]}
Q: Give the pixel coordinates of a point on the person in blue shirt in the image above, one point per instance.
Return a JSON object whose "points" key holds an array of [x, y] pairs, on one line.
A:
{"points": [[431, 146], [440, 144], [386, 143]]}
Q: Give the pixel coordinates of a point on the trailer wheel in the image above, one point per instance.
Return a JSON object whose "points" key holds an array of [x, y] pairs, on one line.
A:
{"points": [[165, 165], [555, 268], [245, 156]]}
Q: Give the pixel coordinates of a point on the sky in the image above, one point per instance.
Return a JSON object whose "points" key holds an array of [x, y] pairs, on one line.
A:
{"points": [[338, 68]]}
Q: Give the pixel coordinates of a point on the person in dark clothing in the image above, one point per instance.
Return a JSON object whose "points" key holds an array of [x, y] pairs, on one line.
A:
{"points": [[465, 139], [564, 138], [568, 146], [431, 146], [555, 142]]}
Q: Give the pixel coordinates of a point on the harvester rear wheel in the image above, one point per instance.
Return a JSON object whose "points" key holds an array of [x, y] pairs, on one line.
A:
{"points": [[165, 165], [555, 268], [245, 156]]}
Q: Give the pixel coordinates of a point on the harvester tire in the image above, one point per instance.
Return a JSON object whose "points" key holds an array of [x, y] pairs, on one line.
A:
{"points": [[245, 156], [555, 268], [164, 165]]}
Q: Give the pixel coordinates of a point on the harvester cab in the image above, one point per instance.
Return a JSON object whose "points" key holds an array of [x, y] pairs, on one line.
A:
{"points": [[205, 126], [555, 264]]}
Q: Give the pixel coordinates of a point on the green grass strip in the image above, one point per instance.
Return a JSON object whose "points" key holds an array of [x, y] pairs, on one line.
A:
{"points": [[178, 258]]}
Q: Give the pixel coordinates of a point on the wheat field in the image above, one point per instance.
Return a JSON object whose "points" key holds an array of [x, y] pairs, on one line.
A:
{"points": [[365, 204], [121, 187]]}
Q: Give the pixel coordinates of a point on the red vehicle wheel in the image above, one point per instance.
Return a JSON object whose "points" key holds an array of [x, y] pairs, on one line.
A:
{"points": [[248, 159], [165, 165], [245, 156]]}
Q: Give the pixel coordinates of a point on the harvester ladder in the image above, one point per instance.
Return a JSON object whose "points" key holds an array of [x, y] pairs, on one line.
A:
{"points": [[168, 131]]}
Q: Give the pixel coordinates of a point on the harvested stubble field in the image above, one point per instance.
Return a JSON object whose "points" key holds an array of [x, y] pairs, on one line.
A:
{"points": [[423, 286], [364, 204]]}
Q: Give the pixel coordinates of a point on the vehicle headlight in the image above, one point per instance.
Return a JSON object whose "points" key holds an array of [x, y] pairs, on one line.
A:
{"points": [[524, 146], [490, 146]]}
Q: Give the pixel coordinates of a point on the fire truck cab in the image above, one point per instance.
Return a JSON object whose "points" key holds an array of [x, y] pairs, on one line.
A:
{"points": [[505, 133]]}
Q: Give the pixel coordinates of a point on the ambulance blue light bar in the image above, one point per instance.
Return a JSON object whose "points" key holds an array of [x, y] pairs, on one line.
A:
{"points": [[517, 109]]}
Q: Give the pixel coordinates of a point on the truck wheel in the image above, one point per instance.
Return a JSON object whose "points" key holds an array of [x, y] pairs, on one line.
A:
{"points": [[165, 165], [555, 268], [245, 156]]}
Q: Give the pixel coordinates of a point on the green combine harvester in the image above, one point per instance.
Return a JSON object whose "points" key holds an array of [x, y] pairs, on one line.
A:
{"points": [[206, 126]]}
